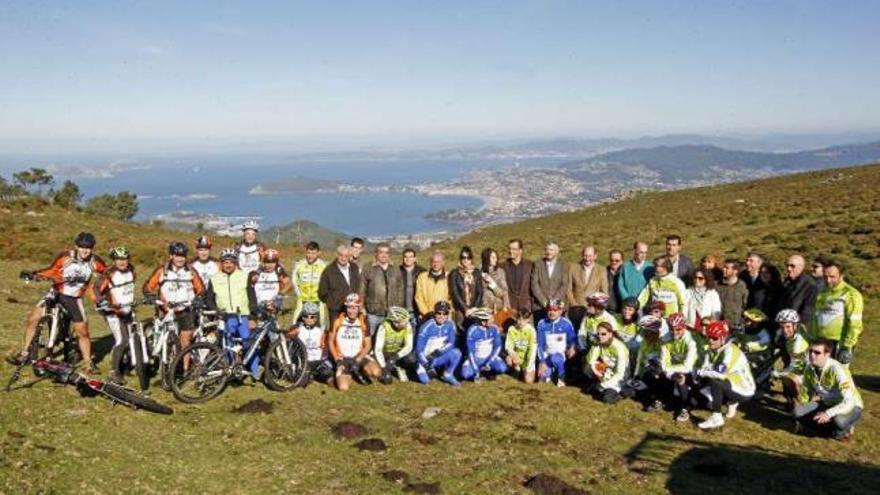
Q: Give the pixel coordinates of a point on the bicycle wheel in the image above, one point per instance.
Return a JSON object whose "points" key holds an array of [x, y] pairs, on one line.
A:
{"points": [[132, 399], [39, 344], [137, 350], [205, 376], [280, 374]]}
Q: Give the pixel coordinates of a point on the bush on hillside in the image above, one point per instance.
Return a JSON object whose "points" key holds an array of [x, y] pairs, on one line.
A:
{"points": [[122, 206]]}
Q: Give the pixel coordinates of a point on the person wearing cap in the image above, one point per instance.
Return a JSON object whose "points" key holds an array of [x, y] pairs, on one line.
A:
{"points": [[114, 298], [311, 333], [394, 344], [645, 384], [664, 286], [204, 264], [249, 249], [521, 346], [435, 346], [230, 293], [791, 339], [70, 273], [724, 376], [596, 313], [350, 343], [678, 356], [657, 309], [557, 343], [607, 365], [269, 282], [755, 335], [483, 347]]}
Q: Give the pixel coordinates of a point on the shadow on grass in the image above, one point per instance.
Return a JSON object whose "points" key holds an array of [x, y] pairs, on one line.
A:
{"points": [[693, 466], [870, 383], [102, 347]]}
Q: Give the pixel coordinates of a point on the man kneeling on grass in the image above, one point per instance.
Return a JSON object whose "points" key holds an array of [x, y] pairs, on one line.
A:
{"points": [[350, 346], [829, 402]]}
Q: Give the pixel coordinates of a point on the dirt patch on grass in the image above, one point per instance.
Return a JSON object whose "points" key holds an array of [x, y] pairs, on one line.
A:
{"points": [[347, 430], [372, 444], [545, 484], [424, 438], [256, 406], [396, 476], [430, 488]]}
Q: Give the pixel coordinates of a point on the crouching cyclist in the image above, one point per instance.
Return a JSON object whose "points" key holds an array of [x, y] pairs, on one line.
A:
{"points": [[313, 336], [114, 297], [521, 346], [70, 274], [394, 345], [607, 365], [678, 356], [230, 293], [483, 348], [435, 346], [350, 345], [829, 402], [794, 354], [556, 343], [725, 375], [646, 386]]}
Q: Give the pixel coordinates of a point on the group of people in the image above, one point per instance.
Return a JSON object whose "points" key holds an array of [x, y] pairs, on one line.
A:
{"points": [[665, 332]]}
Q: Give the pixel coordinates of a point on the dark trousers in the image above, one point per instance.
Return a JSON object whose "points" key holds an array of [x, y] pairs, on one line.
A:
{"points": [[722, 391], [839, 425]]}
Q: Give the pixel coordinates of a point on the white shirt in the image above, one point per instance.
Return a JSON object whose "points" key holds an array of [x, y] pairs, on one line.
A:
{"points": [[346, 272]]}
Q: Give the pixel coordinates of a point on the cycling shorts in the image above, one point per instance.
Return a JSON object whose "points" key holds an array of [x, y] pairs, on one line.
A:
{"points": [[74, 307], [185, 320]]}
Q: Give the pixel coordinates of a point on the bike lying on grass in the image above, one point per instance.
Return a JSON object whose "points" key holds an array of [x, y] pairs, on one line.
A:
{"points": [[201, 371]]}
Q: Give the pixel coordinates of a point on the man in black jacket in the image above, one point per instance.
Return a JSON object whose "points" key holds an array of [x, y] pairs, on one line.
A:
{"points": [[409, 272], [682, 266], [758, 290], [518, 272], [798, 289], [338, 280]]}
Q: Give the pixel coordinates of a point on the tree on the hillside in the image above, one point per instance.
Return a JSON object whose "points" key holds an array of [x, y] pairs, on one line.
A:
{"points": [[122, 206], [68, 196], [9, 191], [38, 177]]}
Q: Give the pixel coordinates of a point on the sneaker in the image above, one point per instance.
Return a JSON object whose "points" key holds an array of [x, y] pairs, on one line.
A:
{"points": [[545, 380], [560, 383], [448, 378], [423, 377], [115, 377], [682, 416], [731, 409], [655, 406], [401, 375], [846, 436], [716, 420], [92, 368]]}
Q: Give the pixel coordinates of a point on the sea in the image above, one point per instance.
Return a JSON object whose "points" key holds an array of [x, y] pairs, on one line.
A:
{"points": [[220, 185]]}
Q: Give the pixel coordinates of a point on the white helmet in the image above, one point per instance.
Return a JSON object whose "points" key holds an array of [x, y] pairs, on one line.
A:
{"points": [[228, 254], [788, 316], [251, 225]]}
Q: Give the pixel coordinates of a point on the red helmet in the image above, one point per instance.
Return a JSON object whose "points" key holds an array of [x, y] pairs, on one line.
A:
{"points": [[271, 256], [676, 321], [204, 242], [656, 304], [717, 330], [598, 299]]}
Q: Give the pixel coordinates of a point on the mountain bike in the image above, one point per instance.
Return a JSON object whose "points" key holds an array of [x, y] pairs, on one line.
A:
{"points": [[138, 355], [65, 373], [163, 338], [212, 364]]}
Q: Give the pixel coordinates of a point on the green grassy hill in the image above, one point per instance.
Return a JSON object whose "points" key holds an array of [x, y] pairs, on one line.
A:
{"points": [[488, 438]]}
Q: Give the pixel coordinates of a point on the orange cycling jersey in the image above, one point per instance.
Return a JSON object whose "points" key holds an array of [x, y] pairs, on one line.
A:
{"points": [[349, 337], [70, 274], [117, 287], [174, 285]]}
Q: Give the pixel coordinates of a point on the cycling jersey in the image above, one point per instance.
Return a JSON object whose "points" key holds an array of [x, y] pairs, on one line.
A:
{"points": [[70, 274], [349, 337], [267, 284], [832, 384], [678, 355], [554, 336], [391, 341], [483, 344], [615, 358], [796, 347], [648, 352], [523, 342], [626, 331], [732, 365], [116, 287], [838, 315], [206, 269], [669, 289], [306, 277], [314, 339], [589, 326], [433, 338], [174, 285], [229, 293], [249, 255]]}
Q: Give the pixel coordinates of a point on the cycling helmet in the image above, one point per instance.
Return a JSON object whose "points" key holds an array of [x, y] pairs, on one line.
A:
{"points": [[251, 225], [555, 304], [311, 308], [650, 323], [177, 248], [85, 240], [442, 307], [120, 253], [676, 321], [717, 330], [352, 300], [228, 254], [203, 242], [480, 314], [631, 302], [396, 313], [271, 256], [788, 316], [656, 305], [599, 299], [755, 315]]}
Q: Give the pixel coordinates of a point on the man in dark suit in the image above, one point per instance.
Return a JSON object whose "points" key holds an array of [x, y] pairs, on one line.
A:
{"points": [[518, 272], [550, 278], [338, 280], [682, 266]]}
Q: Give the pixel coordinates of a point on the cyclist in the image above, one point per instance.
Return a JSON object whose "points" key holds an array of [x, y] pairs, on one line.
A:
{"points": [[678, 356], [628, 325], [114, 296], [270, 281], [664, 286], [556, 343], [314, 337], [349, 341], [249, 250], [645, 386], [829, 400], [521, 346], [176, 284], [394, 344], [595, 314], [755, 336], [795, 347], [483, 347], [435, 346], [607, 364], [657, 309], [204, 264], [725, 375], [305, 276], [230, 293], [70, 274], [838, 313]]}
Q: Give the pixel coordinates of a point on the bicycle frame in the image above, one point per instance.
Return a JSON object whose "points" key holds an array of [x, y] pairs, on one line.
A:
{"points": [[163, 326]]}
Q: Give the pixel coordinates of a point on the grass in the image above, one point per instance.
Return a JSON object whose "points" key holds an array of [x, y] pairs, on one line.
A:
{"points": [[488, 438]]}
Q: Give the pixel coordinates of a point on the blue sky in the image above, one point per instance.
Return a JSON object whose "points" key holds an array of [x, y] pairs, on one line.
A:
{"points": [[109, 75]]}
